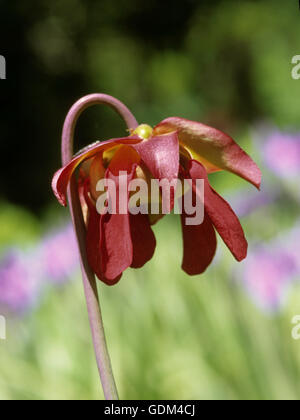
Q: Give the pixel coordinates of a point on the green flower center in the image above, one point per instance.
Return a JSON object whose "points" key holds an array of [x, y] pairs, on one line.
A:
{"points": [[144, 131]]}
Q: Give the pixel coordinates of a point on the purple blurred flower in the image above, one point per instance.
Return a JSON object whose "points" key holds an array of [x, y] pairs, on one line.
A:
{"points": [[59, 255], [267, 276], [24, 275], [246, 201], [282, 154], [20, 281], [291, 243]]}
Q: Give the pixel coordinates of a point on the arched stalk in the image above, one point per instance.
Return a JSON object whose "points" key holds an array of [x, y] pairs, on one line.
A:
{"points": [[89, 281]]}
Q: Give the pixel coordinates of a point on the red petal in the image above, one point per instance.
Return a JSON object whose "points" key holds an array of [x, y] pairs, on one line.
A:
{"points": [[143, 240], [213, 148], [93, 243], [62, 177], [221, 214], [117, 247], [161, 156], [200, 244], [124, 159]]}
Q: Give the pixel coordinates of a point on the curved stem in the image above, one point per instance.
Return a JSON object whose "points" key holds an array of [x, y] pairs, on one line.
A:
{"points": [[89, 281]]}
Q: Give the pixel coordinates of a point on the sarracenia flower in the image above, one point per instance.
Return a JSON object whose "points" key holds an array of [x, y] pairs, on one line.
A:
{"points": [[175, 149]]}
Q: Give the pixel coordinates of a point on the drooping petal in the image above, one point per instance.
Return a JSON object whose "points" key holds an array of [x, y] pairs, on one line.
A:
{"points": [[82, 187], [117, 249], [161, 156], [96, 172], [93, 246], [117, 246], [124, 159], [199, 245], [143, 240], [213, 148], [221, 214], [62, 177], [94, 243]]}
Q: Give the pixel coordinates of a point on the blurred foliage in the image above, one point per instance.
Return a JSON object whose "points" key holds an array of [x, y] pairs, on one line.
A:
{"points": [[226, 63], [170, 336]]}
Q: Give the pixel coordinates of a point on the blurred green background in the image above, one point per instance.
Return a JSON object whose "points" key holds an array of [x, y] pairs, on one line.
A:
{"points": [[225, 63]]}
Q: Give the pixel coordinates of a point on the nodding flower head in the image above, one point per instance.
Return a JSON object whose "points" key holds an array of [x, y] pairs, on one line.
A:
{"points": [[175, 150]]}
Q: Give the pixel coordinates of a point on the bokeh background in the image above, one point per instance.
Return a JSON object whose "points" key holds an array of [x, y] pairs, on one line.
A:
{"points": [[224, 335]]}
